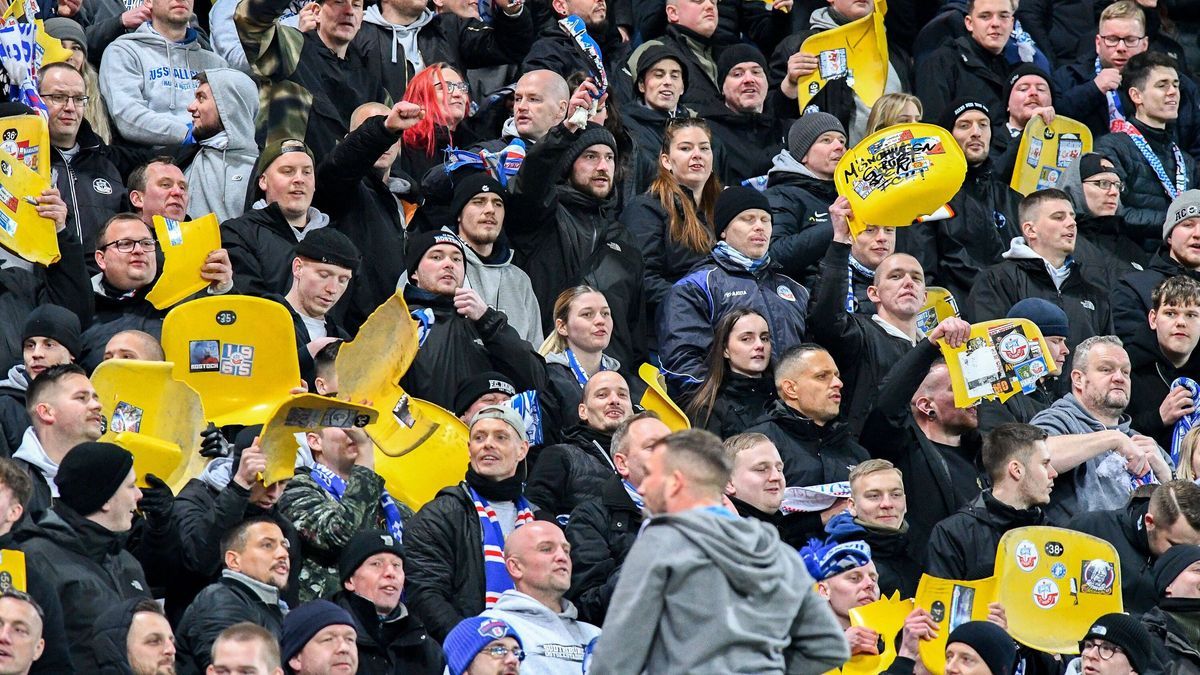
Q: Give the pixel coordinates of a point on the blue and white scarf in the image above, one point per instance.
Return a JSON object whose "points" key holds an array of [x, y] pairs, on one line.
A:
{"points": [[633, 494], [1143, 146], [723, 251], [501, 166], [1114, 102], [1185, 423], [495, 575], [581, 375], [854, 265], [334, 485]]}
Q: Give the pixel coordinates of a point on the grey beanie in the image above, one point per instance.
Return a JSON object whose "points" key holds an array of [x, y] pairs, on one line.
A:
{"points": [[1186, 205], [64, 28], [806, 130]]}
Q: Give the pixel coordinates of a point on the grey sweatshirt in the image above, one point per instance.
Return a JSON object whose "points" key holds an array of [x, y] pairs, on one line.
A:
{"points": [[705, 591], [147, 82], [506, 288], [554, 642], [221, 170]]}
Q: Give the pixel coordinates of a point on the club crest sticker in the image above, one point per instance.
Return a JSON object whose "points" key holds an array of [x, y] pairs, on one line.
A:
{"points": [[1098, 577], [786, 293], [126, 417], [1045, 593], [237, 360], [1027, 555]]}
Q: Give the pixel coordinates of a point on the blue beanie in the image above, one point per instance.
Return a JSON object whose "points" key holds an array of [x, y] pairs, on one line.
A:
{"points": [[302, 623], [831, 558], [469, 638], [1046, 315]]}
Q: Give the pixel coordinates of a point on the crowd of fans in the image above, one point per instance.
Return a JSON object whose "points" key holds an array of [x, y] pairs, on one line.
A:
{"points": [[563, 190]]}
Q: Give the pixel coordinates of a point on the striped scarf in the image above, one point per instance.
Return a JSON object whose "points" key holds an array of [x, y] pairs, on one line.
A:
{"points": [[1185, 423], [495, 574]]}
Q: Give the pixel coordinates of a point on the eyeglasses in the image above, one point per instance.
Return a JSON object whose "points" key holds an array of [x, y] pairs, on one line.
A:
{"points": [[500, 651], [458, 86], [1104, 650], [61, 99], [126, 245], [1107, 185], [1130, 41]]}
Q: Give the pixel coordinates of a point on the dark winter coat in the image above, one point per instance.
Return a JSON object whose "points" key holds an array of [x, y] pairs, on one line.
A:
{"points": [[64, 283], [600, 532], [740, 402], [394, 645], [812, 454], [1144, 202], [965, 69], [954, 246], [555, 50], [90, 184], [736, 19], [1125, 529], [110, 635], [897, 561], [261, 246], [800, 227], [795, 529], [1131, 308], [699, 63], [56, 658], [1170, 643], [1019, 408], [572, 472], [1063, 29], [963, 546], [221, 604], [749, 141], [998, 200]]}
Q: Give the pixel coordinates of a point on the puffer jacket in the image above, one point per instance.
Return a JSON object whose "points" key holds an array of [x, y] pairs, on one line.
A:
{"points": [[396, 644], [749, 140], [571, 472], [963, 546], [1145, 201], [261, 245], [698, 301], [740, 402], [109, 636], [800, 227], [812, 454], [1171, 645], [231, 599], [600, 532]]}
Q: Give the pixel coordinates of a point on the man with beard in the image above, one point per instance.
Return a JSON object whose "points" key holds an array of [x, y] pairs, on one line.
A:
{"points": [[1030, 93], [219, 165], [135, 637], [575, 471], [555, 49]]}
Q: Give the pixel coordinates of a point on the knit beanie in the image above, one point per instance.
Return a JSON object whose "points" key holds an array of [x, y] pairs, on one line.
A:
{"points": [[1027, 69], [91, 474], [592, 134], [1186, 205], [478, 385], [421, 242], [1090, 165], [64, 28], [957, 108], [1127, 633], [468, 187], [733, 201], [364, 545], [1172, 563], [54, 322], [302, 623], [735, 54], [1047, 316], [830, 558], [331, 247], [806, 130], [656, 53], [469, 638], [990, 641]]}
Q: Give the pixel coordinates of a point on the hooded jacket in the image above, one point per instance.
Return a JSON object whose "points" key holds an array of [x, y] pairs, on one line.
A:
{"points": [[32, 457], [56, 658], [219, 174], [963, 546], [800, 227], [750, 141], [1025, 274], [147, 82], [231, 599], [261, 245], [90, 184], [396, 644], [90, 571], [554, 642], [1102, 244], [661, 618], [571, 472], [110, 635], [1145, 202], [1131, 300], [1125, 529], [954, 244], [1173, 646], [14, 419], [505, 288], [1099, 483], [601, 532], [966, 70], [699, 60]]}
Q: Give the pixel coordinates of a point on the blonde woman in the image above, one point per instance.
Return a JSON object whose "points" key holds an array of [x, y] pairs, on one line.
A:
{"points": [[890, 109]]}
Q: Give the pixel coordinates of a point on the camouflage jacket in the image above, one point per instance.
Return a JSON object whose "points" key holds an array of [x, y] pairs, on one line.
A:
{"points": [[326, 525]]}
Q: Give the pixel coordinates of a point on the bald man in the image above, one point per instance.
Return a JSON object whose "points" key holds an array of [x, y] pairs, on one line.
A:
{"points": [[134, 344], [866, 335], [352, 187], [538, 559], [575, 470], [539, 104]]}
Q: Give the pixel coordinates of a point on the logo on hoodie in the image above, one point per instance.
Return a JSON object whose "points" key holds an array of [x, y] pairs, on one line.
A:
{"points": [[102, 186], [786, 293]]}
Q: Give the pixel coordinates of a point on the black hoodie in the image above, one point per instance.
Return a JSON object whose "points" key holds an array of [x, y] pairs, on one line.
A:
{"points": [[963, 546]]}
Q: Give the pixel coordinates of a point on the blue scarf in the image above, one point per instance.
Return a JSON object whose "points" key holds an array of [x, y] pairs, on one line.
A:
{"points": [[1143, 146], [1185, 423], [334, 485], [851, 301], [1114, 102], [633, 494], [723, 251], [580, 374], [495, 574]]}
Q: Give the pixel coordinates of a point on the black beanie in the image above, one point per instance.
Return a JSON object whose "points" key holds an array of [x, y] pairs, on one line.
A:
{"points": [[477, 385], [654, 54], [305, 621], [735, 54], [330, 247], [1090, 165], [91, 474], [990, 641], [593, 134], [468, 187], [422, 242], [1023, 70], [56, 323], [1170, 564], [956, 110], [733, 201], [364, 545], [1127, 633]]}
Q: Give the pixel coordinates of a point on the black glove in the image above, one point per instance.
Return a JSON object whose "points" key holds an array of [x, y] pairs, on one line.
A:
{"points": [[157, 500], [214, 443]]}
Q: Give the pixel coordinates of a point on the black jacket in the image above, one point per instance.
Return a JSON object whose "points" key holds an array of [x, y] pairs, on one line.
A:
{"points": [[698, 53], [740, 402], [351, 191], [736, 19], [1171, 646], [963, 546], [998, 200], [109, 638], [555, 50], [891, 433], [221, 604], [645, 126], [749, 141], [90, 184], [795, 529], [1149, 385], [1125, 529], [954, 247], [812, 454], [1144, 202], [1062, 29], [1018, 408], [89, 570], [202, 515], [800, 227], [965, 69], [260, 243], [1131, 308], [457, 348], [562, 394], [56, 658], [1001, 286], [572, 472], [898, 562], [863, 349], [117, 311], [601, 532], [395, 645], [562, 237], [63, 283]]}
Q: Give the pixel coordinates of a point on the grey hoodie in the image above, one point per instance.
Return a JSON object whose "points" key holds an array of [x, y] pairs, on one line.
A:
{"points": [[404, 36], [786, 163], [17, 380], [554, 642], [220, 172], [506, 288], [704, 591], [1019, 250], [31, 451], [147, 82]]}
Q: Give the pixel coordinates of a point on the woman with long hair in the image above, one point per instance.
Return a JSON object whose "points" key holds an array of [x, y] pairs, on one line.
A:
{"points": [[672, 220], [739, 386], [897, 108], [443, 94]]}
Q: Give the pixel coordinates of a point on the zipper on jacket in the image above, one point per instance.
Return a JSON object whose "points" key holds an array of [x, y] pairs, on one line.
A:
{"points": [[74, 202]]}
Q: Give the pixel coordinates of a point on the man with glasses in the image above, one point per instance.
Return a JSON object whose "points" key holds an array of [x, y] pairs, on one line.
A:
{"points": [[82, 163], [482, 645], [125, 253], [1101, 242], [1116, 644]]}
